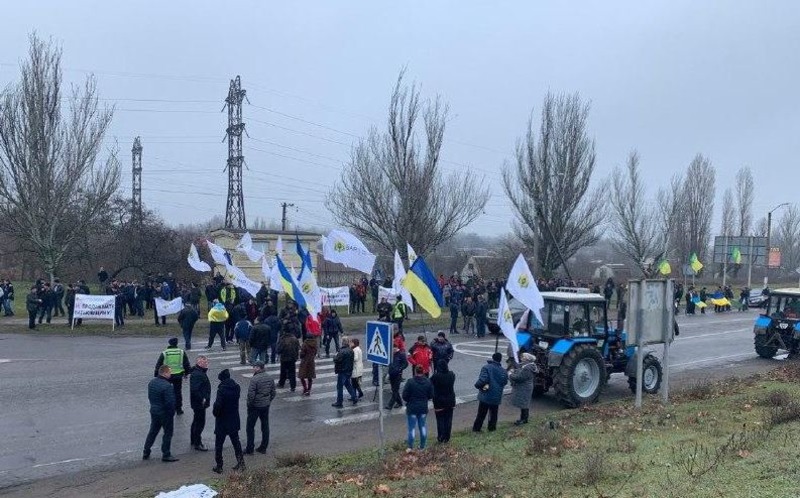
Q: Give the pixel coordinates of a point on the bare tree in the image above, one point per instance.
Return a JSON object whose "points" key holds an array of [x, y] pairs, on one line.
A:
{"points": [[633, 222], [697, 200], [52, 185], [670, 204], [393, 189], [788, 238], [729, 214], [745, 192], [549, 184], [761, 227]]}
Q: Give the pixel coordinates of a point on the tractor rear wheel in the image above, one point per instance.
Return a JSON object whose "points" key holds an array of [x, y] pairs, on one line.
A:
{"points": [[651, 373], [763, 349], [581, 376]]}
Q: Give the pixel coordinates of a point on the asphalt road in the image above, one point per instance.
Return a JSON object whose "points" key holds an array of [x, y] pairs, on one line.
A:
{"points": [[69, 404]]}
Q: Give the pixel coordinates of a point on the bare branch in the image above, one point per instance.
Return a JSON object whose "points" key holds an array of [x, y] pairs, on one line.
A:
{"points": [[745, 192]]}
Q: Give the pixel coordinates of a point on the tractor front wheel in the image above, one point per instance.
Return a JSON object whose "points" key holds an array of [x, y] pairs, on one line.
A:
{"points": [[763, 349], [581, 376], [651, 373]]}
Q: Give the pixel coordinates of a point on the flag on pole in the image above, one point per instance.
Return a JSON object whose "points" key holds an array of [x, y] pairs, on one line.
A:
{"points": [[275, 282], [195, 262], [397, 283], [238, 278], [289, 283], [245, 246], [307, 283], [265, 269], [345, 248], [521, 285], [412, 254], [664, 268], [506, 324], [218, 254], [695, 263], [279, 246], [736, 256], [424, 287], [305, 256]]}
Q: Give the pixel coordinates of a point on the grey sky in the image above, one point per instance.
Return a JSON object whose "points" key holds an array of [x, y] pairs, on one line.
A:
{"points": [[670, 79]]}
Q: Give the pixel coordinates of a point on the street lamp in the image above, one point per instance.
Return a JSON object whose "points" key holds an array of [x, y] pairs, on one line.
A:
{"points": [[769, 229]]}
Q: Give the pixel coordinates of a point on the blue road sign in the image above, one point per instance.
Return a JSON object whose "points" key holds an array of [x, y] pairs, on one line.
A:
{"points": [[379, 342]]}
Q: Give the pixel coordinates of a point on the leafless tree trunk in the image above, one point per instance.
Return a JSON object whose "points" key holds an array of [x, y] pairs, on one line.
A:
{"points": [[788, 238], [549, 183], [697, 207], [393, 190], [729, 214], [745, 192], [761, 227], [670, 206], [633, 222], [51, 185]]}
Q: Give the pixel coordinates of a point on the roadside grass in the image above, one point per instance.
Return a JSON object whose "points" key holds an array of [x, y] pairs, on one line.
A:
{"points": [[727, 439]]}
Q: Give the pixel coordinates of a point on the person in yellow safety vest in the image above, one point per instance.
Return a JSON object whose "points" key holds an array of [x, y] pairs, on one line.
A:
{"points": [[399, 313], [227, 295], [217, 316], [177, 361]]}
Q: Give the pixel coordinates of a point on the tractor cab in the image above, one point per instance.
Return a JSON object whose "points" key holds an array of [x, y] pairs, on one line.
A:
{"points": [[778, 327]]}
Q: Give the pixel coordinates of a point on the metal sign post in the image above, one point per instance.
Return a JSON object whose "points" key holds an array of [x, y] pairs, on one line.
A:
{"points": [[639, 355], [379, 351]]}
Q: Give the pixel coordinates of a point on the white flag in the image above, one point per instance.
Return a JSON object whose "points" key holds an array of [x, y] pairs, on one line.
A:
{"points": [[217, 254], [397, 283], [164, 307], [345, 248], [412, 254], [522, 286], [506, 324], [238, 278], [275, 278], [311, 293], [265, 269], [195, 262], [245, 246]]}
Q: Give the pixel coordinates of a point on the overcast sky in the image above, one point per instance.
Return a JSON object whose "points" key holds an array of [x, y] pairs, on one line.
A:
{"points": [[670, 79]]}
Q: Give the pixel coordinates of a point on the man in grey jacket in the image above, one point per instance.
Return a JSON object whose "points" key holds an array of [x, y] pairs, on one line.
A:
{"points": [[162, 411], [259, 398]]}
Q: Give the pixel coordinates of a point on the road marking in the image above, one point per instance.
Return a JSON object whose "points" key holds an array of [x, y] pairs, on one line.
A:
{"points": [[715, 358], [71, 460], [702, 336]]}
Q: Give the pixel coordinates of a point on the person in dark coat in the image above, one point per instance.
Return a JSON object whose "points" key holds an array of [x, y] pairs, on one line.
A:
{"points": [[332, 327], [260, 394], [416, 394], [481, 310], [343, 364], [162, 412], [274, 333], [200, 400], [187, 318], [442, 350], [491, 381], [444, 400], [454, 318], [308, 368], [32, 303], [259, 342], [399, 363], [227, 423], [289, 350], [522, 380]]}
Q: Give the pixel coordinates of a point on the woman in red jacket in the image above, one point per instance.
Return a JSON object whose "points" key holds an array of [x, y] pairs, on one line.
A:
{"points": [[421, 355]]}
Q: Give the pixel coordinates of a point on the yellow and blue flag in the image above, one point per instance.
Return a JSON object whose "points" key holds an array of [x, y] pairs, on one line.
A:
{"points": [[421, 283], [305, 257], [289, 283]]}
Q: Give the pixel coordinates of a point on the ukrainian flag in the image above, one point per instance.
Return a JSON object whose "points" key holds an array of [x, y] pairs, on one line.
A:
{"points": [[289, 283], [421, 283]]}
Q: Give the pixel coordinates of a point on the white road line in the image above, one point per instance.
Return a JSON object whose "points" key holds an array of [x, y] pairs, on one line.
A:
{"points": [[703, 336], [71, 460], [715, 358]]}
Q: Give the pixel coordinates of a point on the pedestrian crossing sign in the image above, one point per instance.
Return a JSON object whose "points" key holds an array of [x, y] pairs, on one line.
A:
{"points": [[379, 342]]}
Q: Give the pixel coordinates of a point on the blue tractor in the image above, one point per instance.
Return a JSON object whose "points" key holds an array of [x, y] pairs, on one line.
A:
{"points": [[778, 328], [576, 349]]}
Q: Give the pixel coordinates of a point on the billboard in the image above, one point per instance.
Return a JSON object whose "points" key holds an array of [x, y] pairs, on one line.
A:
{"points": [[724, 247]]}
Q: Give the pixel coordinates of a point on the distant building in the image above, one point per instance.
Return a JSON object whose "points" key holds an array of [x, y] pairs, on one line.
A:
{"points": [[485, 267]]}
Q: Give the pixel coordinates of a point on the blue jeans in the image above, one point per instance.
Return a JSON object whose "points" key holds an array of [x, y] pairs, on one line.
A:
{"points": [[343, 382], [258, 355], [414, 421], [7, 307]]}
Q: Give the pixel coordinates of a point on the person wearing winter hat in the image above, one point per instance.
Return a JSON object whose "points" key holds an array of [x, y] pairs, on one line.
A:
{"points": [[178, 362], [491, 381], [227, 423], [217, 316], [522, 380]]}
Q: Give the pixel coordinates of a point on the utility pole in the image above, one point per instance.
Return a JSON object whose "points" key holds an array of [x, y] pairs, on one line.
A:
{"points": [[234, 210], [136, 190], [284, 205]]}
